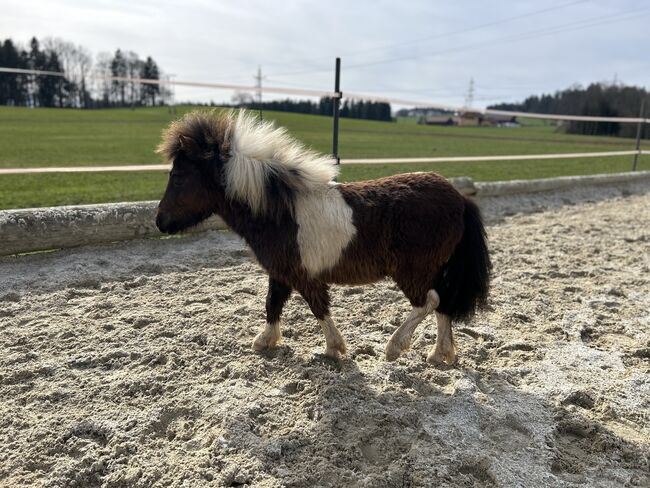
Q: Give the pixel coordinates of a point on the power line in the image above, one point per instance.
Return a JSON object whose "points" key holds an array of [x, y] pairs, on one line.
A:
{"points": [[471, 29], [594, 21], [442, 35]]}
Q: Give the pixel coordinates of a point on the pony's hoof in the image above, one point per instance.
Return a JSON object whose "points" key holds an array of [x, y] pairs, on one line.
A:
{"points": [[263, 341], [332, 353], [394, 350], [335, 352], [438, 357]]}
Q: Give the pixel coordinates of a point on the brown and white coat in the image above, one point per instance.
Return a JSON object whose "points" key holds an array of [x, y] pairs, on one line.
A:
{"points": [[308, 232]]}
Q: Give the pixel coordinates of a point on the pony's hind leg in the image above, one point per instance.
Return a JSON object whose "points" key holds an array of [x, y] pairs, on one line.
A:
{"points": [[444, 351], [276, 297], [316, 294], [400, 341]]}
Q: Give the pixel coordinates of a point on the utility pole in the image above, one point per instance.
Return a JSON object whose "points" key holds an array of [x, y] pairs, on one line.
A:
{"points": [[469, 98], [258, 84]]}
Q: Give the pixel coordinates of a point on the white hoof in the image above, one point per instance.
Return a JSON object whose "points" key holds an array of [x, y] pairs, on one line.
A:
{"points": [[335, 351], [394, 349], [440, 356], [268, 338]]}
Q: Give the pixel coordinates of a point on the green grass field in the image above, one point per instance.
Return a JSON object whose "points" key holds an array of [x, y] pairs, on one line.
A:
{"points": [[55, 137]]}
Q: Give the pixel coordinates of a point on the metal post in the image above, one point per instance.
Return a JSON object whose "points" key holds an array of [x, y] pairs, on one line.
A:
{"points": [[335, 111], [639, 130]]}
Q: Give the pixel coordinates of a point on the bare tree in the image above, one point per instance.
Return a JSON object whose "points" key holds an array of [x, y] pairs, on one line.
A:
{"points": [[84, 63], [119, 69], [76, 62], [134, 70], [102, 87], [242, 99]]}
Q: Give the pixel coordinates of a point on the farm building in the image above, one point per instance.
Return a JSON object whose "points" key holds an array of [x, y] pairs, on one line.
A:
{"points": [[472, 119], [439, 120]]}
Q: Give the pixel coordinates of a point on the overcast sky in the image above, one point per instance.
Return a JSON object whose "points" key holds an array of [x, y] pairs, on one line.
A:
{"points": [[415, 49]]}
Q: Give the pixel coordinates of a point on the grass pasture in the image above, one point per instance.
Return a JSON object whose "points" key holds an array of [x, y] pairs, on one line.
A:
{"points": [[62, 137]]}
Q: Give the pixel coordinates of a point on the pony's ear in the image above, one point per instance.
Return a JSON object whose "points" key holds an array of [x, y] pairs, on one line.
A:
{"points": [[188, 145]]}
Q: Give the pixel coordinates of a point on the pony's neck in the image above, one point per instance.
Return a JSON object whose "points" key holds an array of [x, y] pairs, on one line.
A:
{"points": [[241, 219]]}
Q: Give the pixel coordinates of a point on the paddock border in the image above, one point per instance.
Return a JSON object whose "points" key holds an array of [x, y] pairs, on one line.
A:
{"points": [[40, 229], [346, 161]]}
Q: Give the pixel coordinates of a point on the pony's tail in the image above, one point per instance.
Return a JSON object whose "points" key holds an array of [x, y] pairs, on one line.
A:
{"points": [[464, 281]]}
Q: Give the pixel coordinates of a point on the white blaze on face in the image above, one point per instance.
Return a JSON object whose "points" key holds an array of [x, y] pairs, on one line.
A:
{"points": [[325, 227]]}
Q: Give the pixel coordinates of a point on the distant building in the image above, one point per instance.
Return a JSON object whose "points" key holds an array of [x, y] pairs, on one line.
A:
{"points": [[467, 119], [501, 120], [470, 118], [438, 120]]}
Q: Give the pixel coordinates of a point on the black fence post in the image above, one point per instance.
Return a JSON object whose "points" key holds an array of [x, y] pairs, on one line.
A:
{"points": [[335, 111], [639, 130]]}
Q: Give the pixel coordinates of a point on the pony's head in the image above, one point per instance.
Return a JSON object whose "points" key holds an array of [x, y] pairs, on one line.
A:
{"points": [[198, 149], [235, 158]]}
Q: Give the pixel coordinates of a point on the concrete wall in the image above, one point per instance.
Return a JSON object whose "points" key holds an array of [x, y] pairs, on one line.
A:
{"points": [[38, 229], [501, 188]]}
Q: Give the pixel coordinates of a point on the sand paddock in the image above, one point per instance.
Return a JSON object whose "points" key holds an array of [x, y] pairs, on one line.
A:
{"points": [[130, 365]]}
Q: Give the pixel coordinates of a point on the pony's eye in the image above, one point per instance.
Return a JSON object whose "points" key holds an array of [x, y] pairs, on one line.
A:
{"points": [[177, 180]]}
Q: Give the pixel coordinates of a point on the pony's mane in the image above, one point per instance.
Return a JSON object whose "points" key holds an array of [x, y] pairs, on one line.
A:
{"points": [[201, 135], [264, 166]]}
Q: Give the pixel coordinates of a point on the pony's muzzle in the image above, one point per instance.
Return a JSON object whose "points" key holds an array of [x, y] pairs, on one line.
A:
{"points": [[163, 224]]}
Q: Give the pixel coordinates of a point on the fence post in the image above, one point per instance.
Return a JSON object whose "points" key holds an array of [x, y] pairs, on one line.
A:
{"points": [[335, 111], [639, 130]]}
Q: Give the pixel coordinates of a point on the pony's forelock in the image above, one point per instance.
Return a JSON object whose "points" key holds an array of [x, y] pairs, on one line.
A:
{"points": [[199, 134]]}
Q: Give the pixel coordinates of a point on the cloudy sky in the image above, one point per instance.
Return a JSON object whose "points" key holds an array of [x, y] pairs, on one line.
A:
{"points": [[411, 49]]}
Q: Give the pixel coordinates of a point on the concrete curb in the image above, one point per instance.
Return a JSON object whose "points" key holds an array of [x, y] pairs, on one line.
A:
{"points": [[38, 229], [501, 188]]}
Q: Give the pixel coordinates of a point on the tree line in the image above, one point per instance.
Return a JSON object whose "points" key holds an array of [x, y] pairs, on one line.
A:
{"points": [[354, 109], [601, 99], [81, 86]]}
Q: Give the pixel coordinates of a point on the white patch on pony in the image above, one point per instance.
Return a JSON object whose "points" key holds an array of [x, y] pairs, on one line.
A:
{"points": [[325, 228], [268, 337], [259, 150], [335, 344]]}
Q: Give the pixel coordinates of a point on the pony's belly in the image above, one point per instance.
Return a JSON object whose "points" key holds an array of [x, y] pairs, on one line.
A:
{"points": [[346, 276]]}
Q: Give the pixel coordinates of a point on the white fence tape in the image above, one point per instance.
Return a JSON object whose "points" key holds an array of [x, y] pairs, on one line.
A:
{"points": [[86, 169], [223, 86], [353, 96], [509, 157], [450, 159]]}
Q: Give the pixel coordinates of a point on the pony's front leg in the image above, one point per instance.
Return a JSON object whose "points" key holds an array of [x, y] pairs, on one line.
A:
{"points": [[316, 294], [400, 341], [276, 297]]}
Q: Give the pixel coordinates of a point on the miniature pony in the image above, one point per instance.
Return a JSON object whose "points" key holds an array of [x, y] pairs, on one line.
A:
{"points": [[308, 232]]}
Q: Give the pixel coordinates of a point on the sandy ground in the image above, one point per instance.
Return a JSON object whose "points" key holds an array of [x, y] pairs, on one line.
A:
{"points": [[130, 365]]}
